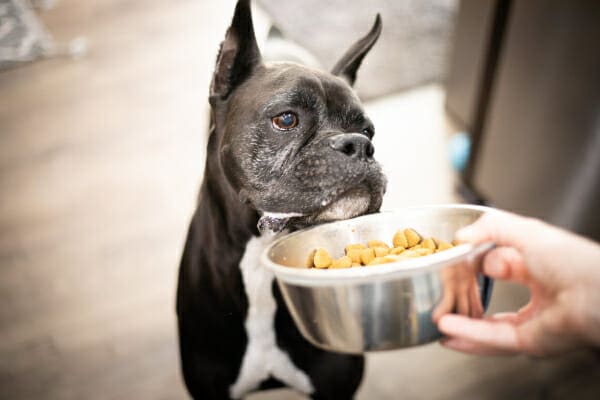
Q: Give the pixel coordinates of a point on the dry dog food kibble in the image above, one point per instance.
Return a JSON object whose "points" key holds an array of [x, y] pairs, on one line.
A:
{"points": [[406, 244]]}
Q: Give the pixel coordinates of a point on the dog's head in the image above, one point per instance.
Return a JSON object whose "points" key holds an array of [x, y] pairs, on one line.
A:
{"points": [[294, 142]]}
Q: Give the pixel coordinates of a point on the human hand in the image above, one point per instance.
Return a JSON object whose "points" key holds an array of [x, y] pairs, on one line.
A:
{"points": [[562, 272]]}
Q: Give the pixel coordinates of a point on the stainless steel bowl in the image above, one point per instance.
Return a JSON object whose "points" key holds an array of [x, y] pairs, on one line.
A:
{"points": [[387, 306]]}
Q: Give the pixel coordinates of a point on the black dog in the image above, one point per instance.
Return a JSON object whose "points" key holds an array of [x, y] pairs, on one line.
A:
{"points": [[289, 147]]}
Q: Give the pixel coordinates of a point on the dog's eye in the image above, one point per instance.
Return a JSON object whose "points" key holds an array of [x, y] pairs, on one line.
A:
{"points": [[285, 121]]}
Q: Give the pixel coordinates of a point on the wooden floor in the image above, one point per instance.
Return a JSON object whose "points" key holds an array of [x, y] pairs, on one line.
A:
{"points": [[100, 161]]}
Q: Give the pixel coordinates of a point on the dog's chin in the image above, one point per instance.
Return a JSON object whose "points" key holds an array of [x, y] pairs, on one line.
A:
{"points": [[351, 204]]}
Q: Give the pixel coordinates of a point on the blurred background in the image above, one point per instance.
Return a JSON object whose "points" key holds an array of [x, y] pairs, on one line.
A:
{"points": [[103, 122]]}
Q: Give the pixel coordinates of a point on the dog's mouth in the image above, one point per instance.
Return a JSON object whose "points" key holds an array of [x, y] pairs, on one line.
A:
{"points": [[350, 204]]}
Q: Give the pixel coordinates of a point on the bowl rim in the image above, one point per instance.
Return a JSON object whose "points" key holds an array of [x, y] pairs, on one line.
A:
{"points": [[410, 267]]}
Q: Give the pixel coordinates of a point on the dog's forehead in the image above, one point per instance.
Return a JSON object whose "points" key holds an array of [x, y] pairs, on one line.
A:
{"points": [[293, 83]]}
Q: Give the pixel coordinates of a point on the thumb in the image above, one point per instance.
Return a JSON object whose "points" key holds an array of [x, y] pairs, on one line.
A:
{"points": [[506, 263], [500, 227]]}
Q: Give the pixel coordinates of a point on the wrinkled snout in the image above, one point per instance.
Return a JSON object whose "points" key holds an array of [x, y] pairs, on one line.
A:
{"points": [[354, 145]]}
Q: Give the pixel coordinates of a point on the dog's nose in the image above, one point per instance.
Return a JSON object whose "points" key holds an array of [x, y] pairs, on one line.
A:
{"points": [[353, 145]]}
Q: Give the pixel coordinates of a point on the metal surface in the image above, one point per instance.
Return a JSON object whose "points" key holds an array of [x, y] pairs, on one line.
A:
{"points": [[386, 306]]}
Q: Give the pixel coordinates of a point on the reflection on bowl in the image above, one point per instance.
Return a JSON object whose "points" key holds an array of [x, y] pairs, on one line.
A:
{"points": [[387, 306]]}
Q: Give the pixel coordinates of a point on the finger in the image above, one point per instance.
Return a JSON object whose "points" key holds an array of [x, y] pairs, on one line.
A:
{"points": [[475, 300], [465, 279], [510, 317], [467, 346], [445, 306], [489, 332], [501, 227], [462, 301], [506, 263]]}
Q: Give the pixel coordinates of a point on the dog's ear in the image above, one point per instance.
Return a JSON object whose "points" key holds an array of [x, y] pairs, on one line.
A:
{"points": [[238, 55], [347, 66]]}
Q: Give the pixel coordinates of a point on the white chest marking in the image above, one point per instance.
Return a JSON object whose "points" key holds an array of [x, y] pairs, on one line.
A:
{"points": [[263, 358]]}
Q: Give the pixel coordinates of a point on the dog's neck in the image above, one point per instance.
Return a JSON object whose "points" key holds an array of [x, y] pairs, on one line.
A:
{"points": [[220, 202]]}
